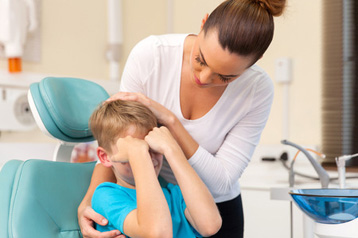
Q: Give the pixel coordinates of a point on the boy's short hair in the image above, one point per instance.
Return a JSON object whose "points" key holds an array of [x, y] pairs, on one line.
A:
{"points": [[112, 119]]}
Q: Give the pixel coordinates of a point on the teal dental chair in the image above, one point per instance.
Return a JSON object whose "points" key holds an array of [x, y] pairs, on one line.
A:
{"points": [[39, 198]]}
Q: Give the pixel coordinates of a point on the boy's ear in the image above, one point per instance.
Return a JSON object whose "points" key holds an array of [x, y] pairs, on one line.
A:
{"points": [[103, 157]]}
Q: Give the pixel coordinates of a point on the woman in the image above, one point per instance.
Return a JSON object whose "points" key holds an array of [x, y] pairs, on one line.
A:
{"points": [[206, 89]]}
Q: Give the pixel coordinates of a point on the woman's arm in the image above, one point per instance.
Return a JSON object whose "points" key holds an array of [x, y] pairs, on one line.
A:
{"points": [[86, 215]]}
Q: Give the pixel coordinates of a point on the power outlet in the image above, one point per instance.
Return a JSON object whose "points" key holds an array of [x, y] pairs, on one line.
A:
{"points": [[283, 70]]}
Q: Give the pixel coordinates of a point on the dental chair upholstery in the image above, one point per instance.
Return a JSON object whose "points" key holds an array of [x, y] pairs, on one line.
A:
{"points": [[39, 198], [63, 106]]}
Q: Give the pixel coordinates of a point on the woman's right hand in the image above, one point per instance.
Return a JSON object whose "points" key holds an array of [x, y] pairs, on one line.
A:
{"points": [[164, 116], [86, 219]]}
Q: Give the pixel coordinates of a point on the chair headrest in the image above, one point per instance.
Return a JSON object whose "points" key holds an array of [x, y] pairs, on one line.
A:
{"points": [[63, 106]]}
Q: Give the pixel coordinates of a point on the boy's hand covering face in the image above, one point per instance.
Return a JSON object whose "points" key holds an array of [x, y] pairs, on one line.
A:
{"points": [[127, 145], [160, 139]]}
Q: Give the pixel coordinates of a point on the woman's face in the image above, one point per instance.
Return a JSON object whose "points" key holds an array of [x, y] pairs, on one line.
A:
{"points": [[213, 66]]}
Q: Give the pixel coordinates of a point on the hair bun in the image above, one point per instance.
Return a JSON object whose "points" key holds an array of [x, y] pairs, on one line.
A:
{"points": [[274, 7]]}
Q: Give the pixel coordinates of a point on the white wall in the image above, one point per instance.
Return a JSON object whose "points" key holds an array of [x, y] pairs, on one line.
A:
{"points": [[74, 35], [298, 35]]}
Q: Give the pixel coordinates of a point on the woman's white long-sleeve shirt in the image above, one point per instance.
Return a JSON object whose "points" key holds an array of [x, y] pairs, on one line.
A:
{"points": [[227, 135]]}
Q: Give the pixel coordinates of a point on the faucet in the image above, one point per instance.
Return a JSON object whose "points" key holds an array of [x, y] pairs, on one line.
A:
{"points": [[322, 173], [341, 167]]}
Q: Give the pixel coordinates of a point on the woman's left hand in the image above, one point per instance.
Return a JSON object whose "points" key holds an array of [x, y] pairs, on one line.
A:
{"points": [[164, 116]]}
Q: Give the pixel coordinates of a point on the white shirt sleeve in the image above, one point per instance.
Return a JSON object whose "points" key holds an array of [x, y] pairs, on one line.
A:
{"points": [[222, 170]]}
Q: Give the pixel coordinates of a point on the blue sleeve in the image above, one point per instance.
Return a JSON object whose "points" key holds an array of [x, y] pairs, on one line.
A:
{"points": [[114, 204]]}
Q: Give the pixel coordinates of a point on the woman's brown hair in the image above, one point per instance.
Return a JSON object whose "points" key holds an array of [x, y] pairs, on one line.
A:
{"points": [[245, 27]]}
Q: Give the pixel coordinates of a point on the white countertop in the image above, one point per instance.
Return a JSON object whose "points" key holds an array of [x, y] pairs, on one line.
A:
{"points": [[25, 79], [264, 175]]}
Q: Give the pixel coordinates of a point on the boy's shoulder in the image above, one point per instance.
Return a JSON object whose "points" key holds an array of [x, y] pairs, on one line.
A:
{"points": [[108, 185], [112, 197], [108, 191], [114, 202], [113, 186]]}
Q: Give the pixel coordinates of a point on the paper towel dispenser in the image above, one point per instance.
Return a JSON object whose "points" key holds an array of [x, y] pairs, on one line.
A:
{"points": [[15, 110]]}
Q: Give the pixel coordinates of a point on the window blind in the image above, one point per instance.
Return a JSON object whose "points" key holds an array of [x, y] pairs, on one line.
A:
{"points": [[339, 88]]}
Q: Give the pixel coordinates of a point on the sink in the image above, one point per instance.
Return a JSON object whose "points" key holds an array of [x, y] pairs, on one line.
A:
{"points": [[327, 206]]}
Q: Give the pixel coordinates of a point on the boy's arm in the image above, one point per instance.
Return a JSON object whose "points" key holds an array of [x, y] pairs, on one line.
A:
{"points": [[201, 212], [152, 217]]}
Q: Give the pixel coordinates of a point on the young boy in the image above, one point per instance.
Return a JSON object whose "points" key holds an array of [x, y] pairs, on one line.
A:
{"points": [[133, 146]]}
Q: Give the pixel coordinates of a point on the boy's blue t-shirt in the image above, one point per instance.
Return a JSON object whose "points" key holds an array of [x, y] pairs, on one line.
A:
{"points": [[115, 202]]}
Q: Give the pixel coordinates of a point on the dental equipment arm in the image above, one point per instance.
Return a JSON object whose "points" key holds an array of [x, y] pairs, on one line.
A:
{"points": [[323, 175]]}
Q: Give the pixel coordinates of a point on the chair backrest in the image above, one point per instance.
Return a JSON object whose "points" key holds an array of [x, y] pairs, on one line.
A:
{"points": [[63, 106], [40, 198]]}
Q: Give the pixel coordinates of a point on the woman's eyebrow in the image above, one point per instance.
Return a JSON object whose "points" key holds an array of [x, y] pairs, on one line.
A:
{"points": [[203, 58]]}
